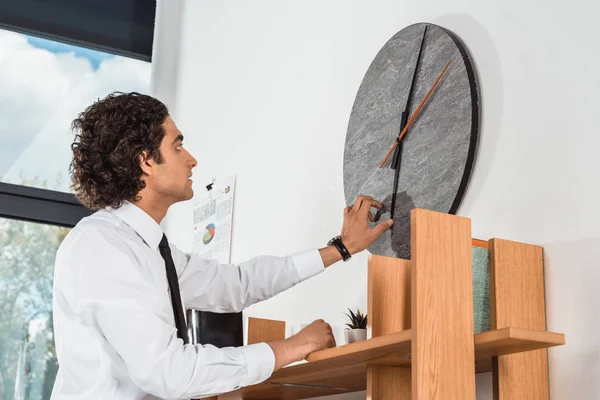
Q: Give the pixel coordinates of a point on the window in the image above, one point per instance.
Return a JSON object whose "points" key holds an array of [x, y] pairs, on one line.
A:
{"points": [[45, 84], [28, 363]]}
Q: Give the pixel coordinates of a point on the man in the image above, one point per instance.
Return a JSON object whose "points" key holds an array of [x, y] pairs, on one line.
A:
{"points": [[120, 287]]}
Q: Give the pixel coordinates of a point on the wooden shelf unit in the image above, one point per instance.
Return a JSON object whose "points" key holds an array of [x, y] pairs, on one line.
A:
{"points": [[421, 343], [343, 369]]}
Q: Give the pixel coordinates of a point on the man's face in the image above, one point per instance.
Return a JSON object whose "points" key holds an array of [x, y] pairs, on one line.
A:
{"points": [[171, 179]]}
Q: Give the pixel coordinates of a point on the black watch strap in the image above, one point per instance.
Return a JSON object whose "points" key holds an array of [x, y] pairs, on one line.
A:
{"points": [[337, 242]]}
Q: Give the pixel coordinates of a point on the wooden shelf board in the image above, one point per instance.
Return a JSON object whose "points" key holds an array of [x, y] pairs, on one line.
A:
{"points": [[343, 369], [480, 243], [514, 340]]}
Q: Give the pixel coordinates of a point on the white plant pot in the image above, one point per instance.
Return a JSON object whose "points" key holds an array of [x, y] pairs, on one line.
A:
{"points": [[355, 335]]}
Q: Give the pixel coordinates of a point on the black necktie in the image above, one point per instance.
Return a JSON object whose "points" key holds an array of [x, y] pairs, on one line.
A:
{"points": [[165, 252]]}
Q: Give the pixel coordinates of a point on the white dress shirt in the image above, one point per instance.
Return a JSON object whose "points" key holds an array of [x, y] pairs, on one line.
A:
{"points": [[113, 321]]}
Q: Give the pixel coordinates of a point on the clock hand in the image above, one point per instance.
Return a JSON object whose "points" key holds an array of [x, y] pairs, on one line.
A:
{"points": [[413, 116], [405, 113], [403, 120], [396, 176], [396, 164]]}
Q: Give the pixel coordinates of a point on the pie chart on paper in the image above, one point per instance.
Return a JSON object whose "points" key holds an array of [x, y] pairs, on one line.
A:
{"points": [[209, 233]]}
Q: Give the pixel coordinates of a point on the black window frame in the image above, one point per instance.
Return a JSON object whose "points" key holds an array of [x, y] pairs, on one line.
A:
{"points": [[43, 206], [120, 27]]}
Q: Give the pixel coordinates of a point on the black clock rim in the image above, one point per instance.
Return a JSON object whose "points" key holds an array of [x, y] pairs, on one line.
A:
{"points": [[475, 121]]}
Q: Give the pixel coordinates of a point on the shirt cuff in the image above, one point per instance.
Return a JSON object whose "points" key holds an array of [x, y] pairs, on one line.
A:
{"points": [[260, 361], [308, 264]]}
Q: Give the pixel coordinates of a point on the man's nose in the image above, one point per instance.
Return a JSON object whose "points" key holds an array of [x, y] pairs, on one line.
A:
{"points": [[192, 160]]}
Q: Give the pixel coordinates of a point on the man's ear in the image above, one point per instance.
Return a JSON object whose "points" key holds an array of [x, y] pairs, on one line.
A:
{"points": [[146, 163]]}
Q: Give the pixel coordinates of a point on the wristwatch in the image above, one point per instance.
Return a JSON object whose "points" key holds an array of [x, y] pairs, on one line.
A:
{"points": [[337, 242]]}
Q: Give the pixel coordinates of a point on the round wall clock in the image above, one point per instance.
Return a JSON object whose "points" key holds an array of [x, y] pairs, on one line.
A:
{"points": [[430, 165]]}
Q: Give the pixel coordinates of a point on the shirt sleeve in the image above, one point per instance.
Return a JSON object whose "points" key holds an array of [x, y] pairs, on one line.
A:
{"points": [[208, 285], [112, 295]]}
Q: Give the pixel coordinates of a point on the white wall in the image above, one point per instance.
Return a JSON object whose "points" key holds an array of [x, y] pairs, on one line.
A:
{"points": [[264, 89]]}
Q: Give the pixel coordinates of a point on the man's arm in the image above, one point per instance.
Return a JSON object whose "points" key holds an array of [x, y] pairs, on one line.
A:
{"points": [[113, 297], [210, 286], [329, 255], [316, 336]]}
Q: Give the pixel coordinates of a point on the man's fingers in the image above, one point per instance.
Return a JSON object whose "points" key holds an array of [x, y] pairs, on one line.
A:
{"points": [[383, 226], [367, 204], [362, 201], [332, 341], [376, 204], [371, 217], [359, 201]]}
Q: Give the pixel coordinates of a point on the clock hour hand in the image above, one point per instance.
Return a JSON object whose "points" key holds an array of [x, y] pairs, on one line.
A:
{"points": [[396, 164]]}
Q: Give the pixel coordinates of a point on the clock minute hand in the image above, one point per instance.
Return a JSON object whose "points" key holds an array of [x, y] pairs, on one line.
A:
{"points": [[403, 120], [404, 117], [414, 115]]}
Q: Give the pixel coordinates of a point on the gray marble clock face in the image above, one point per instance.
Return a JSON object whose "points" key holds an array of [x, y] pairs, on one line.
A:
{"points": [[439, 147]]}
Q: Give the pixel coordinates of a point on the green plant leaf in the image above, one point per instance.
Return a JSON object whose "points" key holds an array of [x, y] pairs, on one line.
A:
{"points": [[353, 315], [358, 320]]}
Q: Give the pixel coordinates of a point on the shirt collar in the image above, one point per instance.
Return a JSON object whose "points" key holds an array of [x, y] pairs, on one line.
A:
{"points": [[139, 221]]}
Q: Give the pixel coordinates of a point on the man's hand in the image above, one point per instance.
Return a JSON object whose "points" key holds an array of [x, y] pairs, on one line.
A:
{"points": [[316, 336], [356, 233]]}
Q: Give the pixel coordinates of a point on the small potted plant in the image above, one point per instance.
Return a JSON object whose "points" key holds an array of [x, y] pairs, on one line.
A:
{"points": [[357, 328]]}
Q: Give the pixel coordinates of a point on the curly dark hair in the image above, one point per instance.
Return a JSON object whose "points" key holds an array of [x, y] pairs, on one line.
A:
{"points": [[110, 136]]}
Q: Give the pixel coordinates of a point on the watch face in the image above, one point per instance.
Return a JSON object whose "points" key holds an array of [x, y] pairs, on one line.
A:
{"points": [[436, 154]]}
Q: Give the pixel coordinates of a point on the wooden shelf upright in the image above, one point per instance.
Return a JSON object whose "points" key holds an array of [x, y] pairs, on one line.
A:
{"points": [[421, 343]]}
